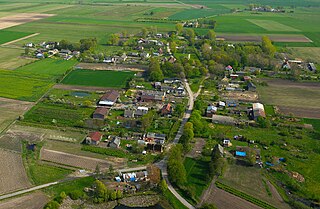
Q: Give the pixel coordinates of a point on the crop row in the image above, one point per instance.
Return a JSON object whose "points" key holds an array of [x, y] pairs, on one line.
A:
{"points": [[244, 196]]}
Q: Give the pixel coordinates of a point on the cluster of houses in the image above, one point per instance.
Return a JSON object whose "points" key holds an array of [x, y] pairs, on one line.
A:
{"points": [[170, 86], [104, 104], [289, 64], [49, 49]]}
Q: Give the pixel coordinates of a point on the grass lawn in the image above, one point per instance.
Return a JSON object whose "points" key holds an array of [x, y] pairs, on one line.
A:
{"points": [[314, 122], [112, 79], [69, 186], [197, 178], [175, 203]]}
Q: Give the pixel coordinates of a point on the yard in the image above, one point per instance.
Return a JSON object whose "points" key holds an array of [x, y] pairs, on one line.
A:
{"points": [[111, 79]]}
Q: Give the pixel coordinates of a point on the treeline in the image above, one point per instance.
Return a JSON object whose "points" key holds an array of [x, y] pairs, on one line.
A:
{"points": [[82, 45]]}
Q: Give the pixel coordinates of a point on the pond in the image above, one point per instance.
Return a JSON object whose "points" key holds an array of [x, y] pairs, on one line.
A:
{"points": [[80, 94], [157, 206]]}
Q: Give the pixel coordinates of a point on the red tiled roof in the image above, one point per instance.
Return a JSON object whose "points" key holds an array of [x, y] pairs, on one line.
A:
{"points": [[95, 136]]}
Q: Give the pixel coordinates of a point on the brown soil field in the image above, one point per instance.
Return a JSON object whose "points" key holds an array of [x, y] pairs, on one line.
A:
{"points": [[36, 200], [299, 98], [18, 19], [12, 172], [257, 38], [119, 67], [10, 109], [223, 199], [74, 160]]}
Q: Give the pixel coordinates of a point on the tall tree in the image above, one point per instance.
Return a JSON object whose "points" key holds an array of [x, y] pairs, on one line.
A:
{"points": [[179, 28], [267, 46], [114, 39], [155, 72], [211, 35]]}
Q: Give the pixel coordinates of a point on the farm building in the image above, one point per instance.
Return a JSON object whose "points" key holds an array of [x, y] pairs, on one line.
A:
{"points": [[100, 113], [211, 110], [166, 109], [141, 111], [128, 113], [252, 69], [115, 142], [94, 138], [258, 111], [109, 98], [251, 87], [155, 147]]}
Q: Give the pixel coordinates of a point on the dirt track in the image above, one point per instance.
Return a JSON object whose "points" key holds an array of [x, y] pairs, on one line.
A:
{"points": [[35, 200], [18, 19], [20, 39]]}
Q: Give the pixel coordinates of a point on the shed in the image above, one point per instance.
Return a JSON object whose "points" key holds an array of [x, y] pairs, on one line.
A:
{"points": [[100, 113], [109, 98], [94, 138]]}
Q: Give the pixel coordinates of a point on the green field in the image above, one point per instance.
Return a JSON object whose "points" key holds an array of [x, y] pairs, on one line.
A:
{"points": [[22, 85], [6, 36], [48, 67], [111, 79], [10, 58], [271, 25]]}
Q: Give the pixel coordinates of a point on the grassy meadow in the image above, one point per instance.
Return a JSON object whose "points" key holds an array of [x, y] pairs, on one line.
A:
{"points": [[111, 79], [6, 36]]}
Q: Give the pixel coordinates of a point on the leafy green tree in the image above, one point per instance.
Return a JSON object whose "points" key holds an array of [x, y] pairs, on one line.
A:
{"points": [[179, 28], [100, 190], [211, 35], [267, 46], [176, 170], [155, 72], [147, 119], [52, 205], [190, 35], [163, 186], [114, 39], [144, 32]]}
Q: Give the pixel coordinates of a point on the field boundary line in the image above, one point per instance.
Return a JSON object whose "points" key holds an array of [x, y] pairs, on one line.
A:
{"points": [[20, 39]]}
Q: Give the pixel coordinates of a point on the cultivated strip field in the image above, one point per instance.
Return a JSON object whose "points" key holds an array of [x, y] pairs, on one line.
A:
{"points": [[18, 19], [73, 160], [273, 37], [20, 39], [10, 109], [12, 172], [35, 200], [271, 25]]}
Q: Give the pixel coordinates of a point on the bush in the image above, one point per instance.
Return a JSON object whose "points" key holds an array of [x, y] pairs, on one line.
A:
{"points": [[105, 151], [52, 205], [76, 194]]}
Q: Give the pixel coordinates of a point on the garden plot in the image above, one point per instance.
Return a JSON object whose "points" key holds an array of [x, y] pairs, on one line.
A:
{"points": [[74, 160], [12, 172], [18, 19], [28, 201], [271, 25]]}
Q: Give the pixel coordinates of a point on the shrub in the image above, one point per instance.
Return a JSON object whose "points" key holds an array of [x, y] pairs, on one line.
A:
{"points": [[76, 194]]}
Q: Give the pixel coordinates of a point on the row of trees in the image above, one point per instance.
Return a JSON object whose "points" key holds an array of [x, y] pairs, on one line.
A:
{"points": [[82, 45], [102, 194], [176, 170]]}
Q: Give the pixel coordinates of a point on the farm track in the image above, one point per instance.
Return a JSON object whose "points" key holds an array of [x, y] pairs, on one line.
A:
{"points": [[20, 39]]}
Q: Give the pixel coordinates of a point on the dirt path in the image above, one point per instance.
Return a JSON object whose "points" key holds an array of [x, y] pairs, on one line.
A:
{"points": [[276, 195], [197, 148], [20, 39]]}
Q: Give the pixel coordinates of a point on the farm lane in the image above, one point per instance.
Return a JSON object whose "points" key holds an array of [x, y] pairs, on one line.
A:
{"points": [[2, 197]]}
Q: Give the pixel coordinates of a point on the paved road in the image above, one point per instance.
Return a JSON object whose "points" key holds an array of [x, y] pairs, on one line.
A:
{"points": [[27, 190], [163, 163]]}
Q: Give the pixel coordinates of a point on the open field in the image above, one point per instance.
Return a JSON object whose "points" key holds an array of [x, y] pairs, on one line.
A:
{"points": [[10, 58], [8, 36], [112, 79], [23, 86], [271, 25], [292, 97], [74, 160], [18, 19], [54, 68], [250, 181], [10, 110], [306, 53], [11, 163], [257, 38], [35, 200]]}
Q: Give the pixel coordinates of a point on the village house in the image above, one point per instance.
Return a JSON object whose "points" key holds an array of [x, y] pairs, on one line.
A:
{"points": [[115, 142], [155, 147], [166, 109], [312, 67], [155, 137], [211, 110], [100, 113], [94, 138], [109, 98], [141, 111], [128, 113], [227, 143]]}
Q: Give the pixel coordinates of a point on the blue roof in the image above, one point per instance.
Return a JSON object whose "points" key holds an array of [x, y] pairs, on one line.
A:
{"points": [[241, 154]]}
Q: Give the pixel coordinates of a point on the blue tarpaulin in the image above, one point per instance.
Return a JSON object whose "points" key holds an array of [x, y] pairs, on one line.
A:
{"points": [[241, 154]]}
